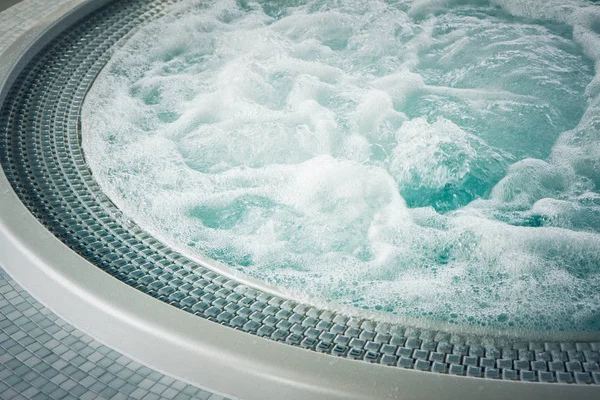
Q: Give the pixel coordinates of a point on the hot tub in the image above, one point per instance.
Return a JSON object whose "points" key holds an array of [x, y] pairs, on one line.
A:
{"points": [[66, 242]]}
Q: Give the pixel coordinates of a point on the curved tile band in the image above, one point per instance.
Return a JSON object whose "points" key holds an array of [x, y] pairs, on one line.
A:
{"points": [[42, 159]]}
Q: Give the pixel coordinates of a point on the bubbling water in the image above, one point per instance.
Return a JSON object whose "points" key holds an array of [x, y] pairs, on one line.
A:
{"points": [[430, 159]]}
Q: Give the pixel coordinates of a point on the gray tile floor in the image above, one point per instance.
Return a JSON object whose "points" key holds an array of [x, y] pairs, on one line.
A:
{"points": [[16, 17], [43, 357]]}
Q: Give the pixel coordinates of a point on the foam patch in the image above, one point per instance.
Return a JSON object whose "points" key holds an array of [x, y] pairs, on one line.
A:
{"points": [[429, 159]]}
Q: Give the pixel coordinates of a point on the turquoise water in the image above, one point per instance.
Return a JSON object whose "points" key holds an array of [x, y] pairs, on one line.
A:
{"points": [[430, 159]]}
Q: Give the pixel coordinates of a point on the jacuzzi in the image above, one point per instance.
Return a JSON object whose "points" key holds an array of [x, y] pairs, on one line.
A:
{"points": [[66, 242]]}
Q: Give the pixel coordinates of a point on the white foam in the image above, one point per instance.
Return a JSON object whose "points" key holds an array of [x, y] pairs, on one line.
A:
{"points": [[389, 156]]}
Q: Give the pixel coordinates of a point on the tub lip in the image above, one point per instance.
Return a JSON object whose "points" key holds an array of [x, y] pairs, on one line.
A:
{"points": [[203, 353]]}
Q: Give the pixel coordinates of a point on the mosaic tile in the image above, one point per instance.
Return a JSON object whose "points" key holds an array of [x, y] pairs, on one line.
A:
{"points": [[42, 373]]}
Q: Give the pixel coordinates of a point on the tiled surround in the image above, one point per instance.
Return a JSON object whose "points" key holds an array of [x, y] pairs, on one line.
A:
{"points": [[44, 357]]}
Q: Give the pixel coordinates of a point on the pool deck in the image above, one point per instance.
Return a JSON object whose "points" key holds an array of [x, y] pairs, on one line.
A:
{"points": [[44, 357], [17, 17]]}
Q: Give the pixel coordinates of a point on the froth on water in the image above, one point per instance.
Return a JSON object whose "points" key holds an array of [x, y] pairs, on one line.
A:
{"points": [[430, 159]]}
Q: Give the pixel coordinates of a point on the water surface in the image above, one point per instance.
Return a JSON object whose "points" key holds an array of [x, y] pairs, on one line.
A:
{"points": [[431, 159]]}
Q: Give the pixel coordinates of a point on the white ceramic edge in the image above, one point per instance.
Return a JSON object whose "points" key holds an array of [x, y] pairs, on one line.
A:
{"points": [[190, 348]]}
